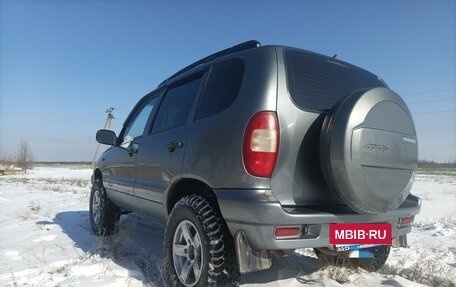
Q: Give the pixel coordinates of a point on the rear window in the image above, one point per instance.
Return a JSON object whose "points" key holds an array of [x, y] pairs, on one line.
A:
{"points": [[317, 82]]}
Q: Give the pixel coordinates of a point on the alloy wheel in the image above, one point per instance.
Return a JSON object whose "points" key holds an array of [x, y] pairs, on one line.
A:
{"points": [[187, 253]]}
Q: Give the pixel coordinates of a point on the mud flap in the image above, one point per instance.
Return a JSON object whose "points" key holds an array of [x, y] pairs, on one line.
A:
{"points": [[400, 241], [250, 260]]}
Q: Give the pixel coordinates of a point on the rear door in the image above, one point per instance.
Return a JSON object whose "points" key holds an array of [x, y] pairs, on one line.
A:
{"points": [[161, 153]]}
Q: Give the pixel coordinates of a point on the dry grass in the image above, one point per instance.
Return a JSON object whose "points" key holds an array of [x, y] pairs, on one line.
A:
{"points": [[340, 274], [428, 272], [116, 246], [153, 272], [34, 206], [61, 185], [120, 248], [440, 226], [32, 214]]}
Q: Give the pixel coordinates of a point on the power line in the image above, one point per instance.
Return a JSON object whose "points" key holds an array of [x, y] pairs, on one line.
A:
{"points": [[53, 124], [431, 101], [434, 112], [428, 92], [53, 127]]}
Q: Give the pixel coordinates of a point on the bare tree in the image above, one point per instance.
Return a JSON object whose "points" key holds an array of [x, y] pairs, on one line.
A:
{"points": [[24, 156], [5, 163]]}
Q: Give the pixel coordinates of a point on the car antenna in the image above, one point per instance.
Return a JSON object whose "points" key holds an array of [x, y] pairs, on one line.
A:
{"points": [[335, 55]]}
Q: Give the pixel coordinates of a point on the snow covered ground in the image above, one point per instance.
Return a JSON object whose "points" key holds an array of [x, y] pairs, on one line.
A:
{"points": [[45, 240]]}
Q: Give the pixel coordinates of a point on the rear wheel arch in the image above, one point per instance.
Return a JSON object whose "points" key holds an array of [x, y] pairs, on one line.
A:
{"points": [[188, 186]]}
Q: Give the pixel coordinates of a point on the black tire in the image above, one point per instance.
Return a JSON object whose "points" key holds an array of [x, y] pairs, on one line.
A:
{"points": [[197, 231], [103, 214], [380, 253]]}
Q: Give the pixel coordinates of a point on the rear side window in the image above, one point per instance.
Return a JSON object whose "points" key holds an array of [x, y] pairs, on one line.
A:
{"points": [[176, 106], [317, 82], [222, 87]]}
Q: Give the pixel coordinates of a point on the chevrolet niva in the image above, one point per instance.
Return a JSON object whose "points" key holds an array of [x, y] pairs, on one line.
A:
{"points": [[260, 150]]}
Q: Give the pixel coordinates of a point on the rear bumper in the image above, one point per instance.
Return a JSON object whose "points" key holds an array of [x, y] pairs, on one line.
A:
{"points": [[257, 212]]}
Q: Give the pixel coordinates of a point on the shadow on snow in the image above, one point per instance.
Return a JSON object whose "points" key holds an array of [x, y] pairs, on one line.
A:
{"points": [[139, 244]]}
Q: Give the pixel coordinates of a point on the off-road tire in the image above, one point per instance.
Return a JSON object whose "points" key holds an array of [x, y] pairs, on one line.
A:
{"points": [[219, 265], [104, 219], [380, 253]]}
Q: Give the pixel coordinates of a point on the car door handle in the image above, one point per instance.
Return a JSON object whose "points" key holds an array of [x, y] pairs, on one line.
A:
{"points": [[174, 144], [132, 149]]}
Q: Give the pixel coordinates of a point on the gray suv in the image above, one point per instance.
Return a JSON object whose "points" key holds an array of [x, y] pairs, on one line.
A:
{"points": [[260, 150]]}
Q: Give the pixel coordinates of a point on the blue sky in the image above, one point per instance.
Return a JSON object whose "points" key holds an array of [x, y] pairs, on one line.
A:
{"points": [[63, 63]]}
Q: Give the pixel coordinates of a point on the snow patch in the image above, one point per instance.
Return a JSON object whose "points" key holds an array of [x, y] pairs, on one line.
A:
{"points": [[50, 211], [4, 199], [45, 238], [12, 254]]}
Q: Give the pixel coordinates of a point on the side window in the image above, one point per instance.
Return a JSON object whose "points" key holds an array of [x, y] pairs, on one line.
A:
{"points": [[136, 127], [222, 87], [176, 106]]}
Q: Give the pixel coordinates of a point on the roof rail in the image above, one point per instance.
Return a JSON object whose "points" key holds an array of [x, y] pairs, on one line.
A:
{"points": [[239, 47]]}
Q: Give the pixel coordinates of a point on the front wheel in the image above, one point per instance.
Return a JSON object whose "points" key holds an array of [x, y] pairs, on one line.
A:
{"points": [[104, 215], [199, 250]]}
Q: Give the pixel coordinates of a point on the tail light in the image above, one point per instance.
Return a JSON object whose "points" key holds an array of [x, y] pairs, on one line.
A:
{"points": [[405, 221], [287, 232], [261, 144]]}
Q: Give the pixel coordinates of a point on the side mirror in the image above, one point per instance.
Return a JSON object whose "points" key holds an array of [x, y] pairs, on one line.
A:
{"points": [[106, 137]]}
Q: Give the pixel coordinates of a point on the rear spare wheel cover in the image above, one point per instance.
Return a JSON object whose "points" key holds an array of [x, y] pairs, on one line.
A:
{"points": [[368, 150]]}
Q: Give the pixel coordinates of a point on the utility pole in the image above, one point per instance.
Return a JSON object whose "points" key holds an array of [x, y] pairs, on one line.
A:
{"points": [[107, 126]]}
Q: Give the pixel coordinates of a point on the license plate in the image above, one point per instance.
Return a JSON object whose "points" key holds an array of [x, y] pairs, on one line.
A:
{"points": [[347, 247], [360, 234]]}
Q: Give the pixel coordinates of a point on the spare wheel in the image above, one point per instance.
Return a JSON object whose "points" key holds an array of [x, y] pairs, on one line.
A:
{"points": [[368, 150]]}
